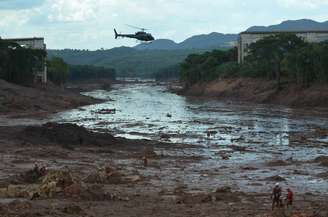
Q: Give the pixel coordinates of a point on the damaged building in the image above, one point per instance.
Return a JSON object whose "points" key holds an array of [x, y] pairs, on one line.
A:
{"points": [[37, 44]]}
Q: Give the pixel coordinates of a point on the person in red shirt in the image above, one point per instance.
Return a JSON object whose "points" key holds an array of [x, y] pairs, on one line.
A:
{"points": [[289, 198]]}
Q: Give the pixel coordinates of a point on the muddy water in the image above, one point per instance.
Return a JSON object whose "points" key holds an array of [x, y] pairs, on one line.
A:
{"points": [[269, 133]]}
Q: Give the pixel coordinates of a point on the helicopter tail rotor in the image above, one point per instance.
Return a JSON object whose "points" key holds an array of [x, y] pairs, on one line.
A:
{"points": [[116, 35]]}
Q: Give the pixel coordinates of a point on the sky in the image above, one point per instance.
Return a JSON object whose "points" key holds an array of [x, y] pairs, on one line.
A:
{"points": [[88, 24]]}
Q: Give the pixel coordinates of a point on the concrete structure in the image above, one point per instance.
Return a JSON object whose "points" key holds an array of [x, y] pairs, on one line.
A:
{"points": [[38, 44], [247, 38]]}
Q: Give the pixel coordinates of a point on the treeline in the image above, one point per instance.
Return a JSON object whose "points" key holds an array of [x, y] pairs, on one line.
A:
{"points": [[208, 66], [19, 65], [60, 72], [283, 57], [169, 73], [86, 72]]}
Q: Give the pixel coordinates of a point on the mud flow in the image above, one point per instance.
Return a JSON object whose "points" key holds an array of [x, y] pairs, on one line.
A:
{"points": [[249, 147]]}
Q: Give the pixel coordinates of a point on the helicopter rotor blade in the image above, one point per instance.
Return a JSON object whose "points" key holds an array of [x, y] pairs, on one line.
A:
{"points": [[135, 27]]}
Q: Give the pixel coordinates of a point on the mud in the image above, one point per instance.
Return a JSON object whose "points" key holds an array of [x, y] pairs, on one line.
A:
{"points": [[208, 158], [110, 179]]}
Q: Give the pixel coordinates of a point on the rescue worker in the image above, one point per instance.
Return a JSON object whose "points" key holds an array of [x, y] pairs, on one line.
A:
{"points": [[289, 198], [276, 196]]}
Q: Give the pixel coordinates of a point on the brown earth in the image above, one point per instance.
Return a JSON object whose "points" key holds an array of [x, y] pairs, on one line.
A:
{"points": [[17, 100], [262, 91], [106, 176]]}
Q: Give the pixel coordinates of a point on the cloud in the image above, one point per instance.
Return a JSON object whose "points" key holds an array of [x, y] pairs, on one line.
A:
{"points": [[72, 10], [302, 3], [19, 4], [89, 23]]}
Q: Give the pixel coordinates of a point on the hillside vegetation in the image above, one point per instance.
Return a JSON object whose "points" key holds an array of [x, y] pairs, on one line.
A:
{"points": [[283, 57], [126, 61], [281, 69]]}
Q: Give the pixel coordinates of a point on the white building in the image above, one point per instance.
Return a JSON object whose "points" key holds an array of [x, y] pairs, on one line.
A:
{"points": [[38, 44], [247, 38]]}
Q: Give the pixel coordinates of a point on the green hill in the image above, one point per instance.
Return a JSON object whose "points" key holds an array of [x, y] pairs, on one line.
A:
{"points": [[126, 61]]}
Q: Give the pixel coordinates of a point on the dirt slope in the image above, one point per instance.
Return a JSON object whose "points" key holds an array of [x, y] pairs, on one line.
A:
{"points": [[262, 91], [15, 99]]}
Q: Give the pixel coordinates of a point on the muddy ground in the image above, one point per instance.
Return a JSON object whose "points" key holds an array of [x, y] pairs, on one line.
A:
{"points": [[119, 177]]}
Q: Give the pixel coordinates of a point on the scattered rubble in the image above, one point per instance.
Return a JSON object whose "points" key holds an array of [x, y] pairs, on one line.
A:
{"points": [[322, 160], [277, 163], [276, 178], [106, 111]]}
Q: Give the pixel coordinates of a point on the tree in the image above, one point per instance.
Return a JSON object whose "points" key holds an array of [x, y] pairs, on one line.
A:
{"points": [[57, 70], [19, 65], [268, 54]]}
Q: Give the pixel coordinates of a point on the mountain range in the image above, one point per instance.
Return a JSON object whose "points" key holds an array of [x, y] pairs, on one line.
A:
{"points": [[216, 40], [205, 41], [147, 59], [292, 25]]}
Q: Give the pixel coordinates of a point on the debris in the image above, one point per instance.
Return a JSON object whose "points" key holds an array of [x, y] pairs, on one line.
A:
{"points": [[248, 168], [225, 156], [276, 178], [18, 205], [277, 163], [149, 152], [29, 177], [61, 178], [106, 111], [225, 189], [73, 191], [322, 160], [238, 148], [165, 136], [73, 210]]}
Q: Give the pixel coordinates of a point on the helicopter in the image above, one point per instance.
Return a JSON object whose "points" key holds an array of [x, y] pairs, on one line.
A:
{"points": [[141, 35]]}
